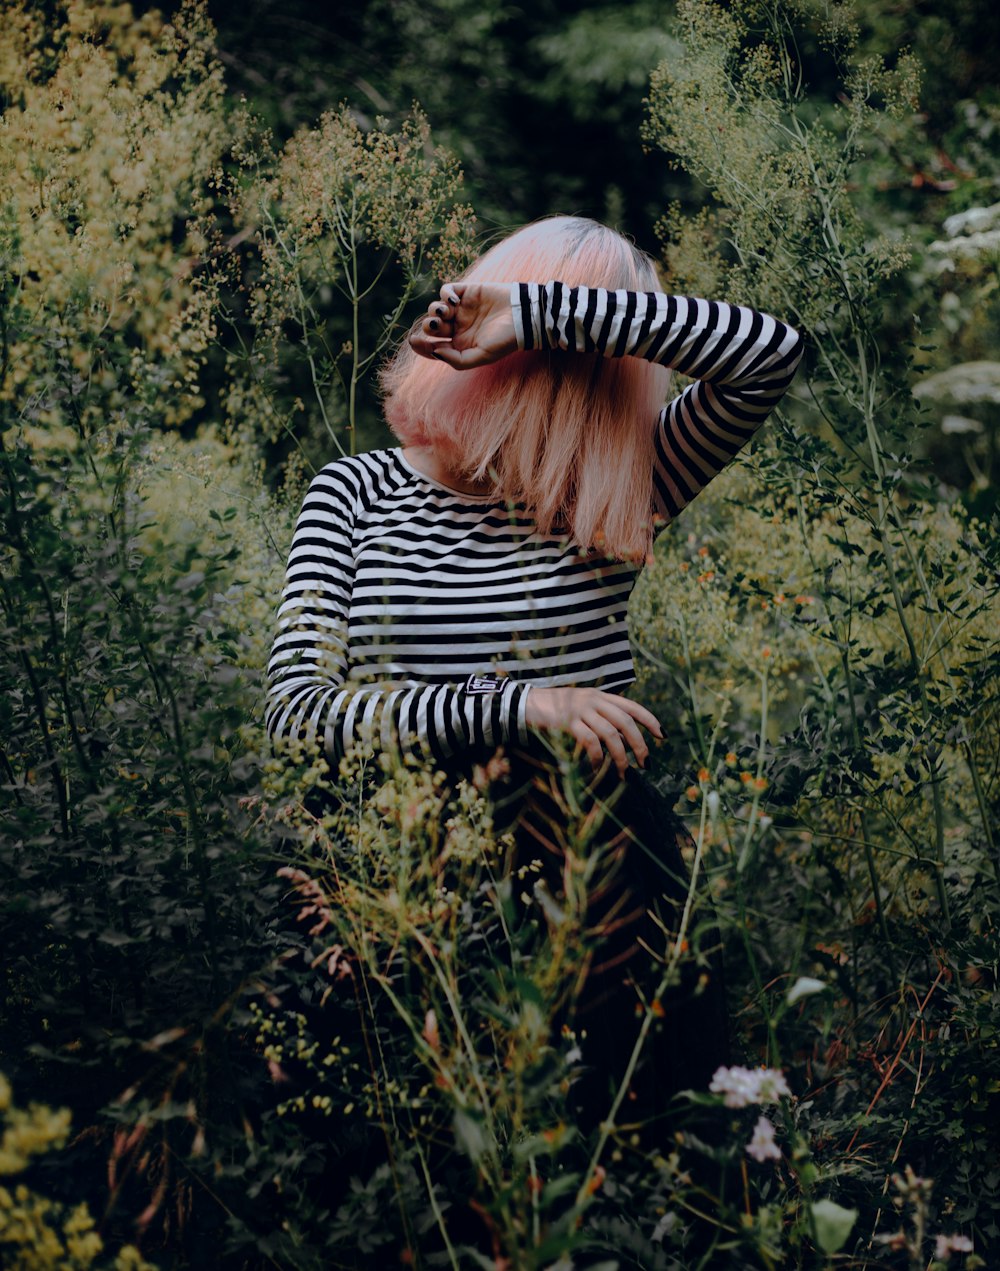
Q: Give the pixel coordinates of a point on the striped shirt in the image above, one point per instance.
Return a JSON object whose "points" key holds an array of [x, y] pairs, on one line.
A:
{"points": [[401, 591]]}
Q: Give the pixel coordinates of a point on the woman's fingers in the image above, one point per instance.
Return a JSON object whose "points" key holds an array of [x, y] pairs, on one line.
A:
{"points": [[611, 736], [628, 730], [428, 343], [437, 327], [460, 359], [613, 731], [601, 723], [467, 326], [588, 741], [637, 712]]}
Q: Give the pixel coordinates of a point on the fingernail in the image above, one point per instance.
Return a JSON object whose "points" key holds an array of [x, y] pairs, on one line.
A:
{"points": [[433, 324], [453, 299]]}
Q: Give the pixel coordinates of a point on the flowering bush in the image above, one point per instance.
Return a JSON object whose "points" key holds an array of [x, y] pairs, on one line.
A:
{"points": [[349, 224], [111, 128], [37, 1234]]}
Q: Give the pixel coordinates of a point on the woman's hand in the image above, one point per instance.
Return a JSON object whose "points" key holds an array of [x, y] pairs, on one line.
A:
{"points": [[596, 720], [472, 324]]}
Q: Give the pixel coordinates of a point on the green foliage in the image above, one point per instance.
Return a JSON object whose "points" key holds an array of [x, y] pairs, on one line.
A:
{"points": [[135, 899], [361, 1058], [829, 617], [35, 1233], [110, 131], [540, 102], [438, 1040], [348, 226]]}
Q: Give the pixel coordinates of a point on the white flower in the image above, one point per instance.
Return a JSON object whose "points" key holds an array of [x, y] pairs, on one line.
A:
{"points": [[744, 1086], [804, 986], [762, 1146], [945, 1246]]}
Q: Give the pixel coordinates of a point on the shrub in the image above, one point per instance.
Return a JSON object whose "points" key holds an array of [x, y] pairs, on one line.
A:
{"points": [[37, 1234]]}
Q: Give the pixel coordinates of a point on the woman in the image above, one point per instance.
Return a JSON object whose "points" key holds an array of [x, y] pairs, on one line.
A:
{"points": [[469, 590]]}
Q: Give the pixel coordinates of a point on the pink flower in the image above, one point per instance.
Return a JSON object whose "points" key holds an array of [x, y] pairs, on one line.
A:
{"points": [[744, 1086], [762, 1146], [945, 1246]]}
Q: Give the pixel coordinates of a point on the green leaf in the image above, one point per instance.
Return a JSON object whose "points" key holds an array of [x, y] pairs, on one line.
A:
{"points": [[832, 1223], [470, 1135]]}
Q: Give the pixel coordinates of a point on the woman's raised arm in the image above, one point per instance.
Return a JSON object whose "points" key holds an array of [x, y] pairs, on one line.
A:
{"points": [[742, 360]]}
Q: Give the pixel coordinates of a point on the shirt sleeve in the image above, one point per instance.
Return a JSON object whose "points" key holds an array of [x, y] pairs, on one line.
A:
{"points": [[314, 698], [742, 362]]}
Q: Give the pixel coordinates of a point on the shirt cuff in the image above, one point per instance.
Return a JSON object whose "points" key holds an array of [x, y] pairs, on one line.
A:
{"points": [[526, 305], [510, 703], [520, 734]]}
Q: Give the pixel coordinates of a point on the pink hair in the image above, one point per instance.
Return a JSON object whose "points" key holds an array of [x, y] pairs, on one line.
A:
{"points": [[568, 435]]}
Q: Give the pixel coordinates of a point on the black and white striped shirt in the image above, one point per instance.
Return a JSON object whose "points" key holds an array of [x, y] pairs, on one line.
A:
{"points": [[399, 589]]}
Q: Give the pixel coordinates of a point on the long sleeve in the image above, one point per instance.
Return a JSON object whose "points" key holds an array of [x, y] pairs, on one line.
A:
{"points": [[742, 362], [312, 697]]}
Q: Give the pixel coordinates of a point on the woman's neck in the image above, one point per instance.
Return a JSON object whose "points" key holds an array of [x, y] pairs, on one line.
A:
{"points": [[427, 461]]}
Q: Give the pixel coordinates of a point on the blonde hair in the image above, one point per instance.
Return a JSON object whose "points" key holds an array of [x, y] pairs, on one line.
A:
{"points": [[568, 435]]}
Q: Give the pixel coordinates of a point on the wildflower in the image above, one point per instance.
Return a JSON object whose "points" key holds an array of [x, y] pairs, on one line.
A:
{"points": [[703, 774], [762, 1146], [945, 1246], [594, 1186], [430, 1033], [744, 1086], [910, 1184], [731, 758], [804, 986]]}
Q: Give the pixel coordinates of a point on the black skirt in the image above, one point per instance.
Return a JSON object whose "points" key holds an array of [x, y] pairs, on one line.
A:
{"points": [[636, 897]]}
